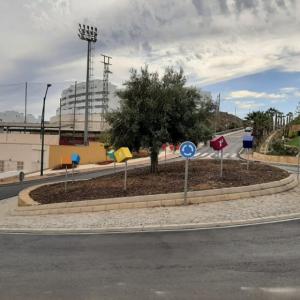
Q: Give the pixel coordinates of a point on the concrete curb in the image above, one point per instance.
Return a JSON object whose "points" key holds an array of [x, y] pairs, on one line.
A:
{"points": [[28, 207], [155, 228]]}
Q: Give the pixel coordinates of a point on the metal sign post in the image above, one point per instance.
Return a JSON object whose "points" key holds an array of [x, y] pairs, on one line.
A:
{"points": [[221, 172], [111, 155], [125, 177], [66, 178], [165, 155], [186, 180], [187, 150], [218, 144], [75, 158], [248, 144], [72, 171], [298, 166], [122, 155], [247, 159]]}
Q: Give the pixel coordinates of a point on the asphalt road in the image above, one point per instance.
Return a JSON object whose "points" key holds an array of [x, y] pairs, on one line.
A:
{"points": [[11, 190], [231, 151], [255, 262]]}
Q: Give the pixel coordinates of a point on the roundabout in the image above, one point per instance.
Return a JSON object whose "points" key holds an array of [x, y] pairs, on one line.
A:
{"points": [[68, 256]]}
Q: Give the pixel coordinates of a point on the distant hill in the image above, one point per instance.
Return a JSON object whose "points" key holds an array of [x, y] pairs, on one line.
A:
{"points": [[227, 121]]}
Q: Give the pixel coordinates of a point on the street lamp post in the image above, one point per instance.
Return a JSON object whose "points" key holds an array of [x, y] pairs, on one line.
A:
{"points": [[43, 131], [89, 34]]}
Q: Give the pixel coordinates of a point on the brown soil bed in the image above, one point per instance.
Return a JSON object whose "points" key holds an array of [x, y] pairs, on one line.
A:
{"points": [[203, 175]]}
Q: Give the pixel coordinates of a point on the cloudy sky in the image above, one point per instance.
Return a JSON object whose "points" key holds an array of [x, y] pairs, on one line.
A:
{"points": [[247, 50]]}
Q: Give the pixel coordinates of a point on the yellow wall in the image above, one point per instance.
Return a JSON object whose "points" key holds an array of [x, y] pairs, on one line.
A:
{"points": [[275, 158], [93, 153]]}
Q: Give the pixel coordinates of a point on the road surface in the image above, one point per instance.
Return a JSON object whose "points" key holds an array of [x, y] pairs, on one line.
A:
{"points": [[255, 262], [235, 144]]}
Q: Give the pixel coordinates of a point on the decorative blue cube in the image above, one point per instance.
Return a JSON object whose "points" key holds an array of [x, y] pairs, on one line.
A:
{"points": [[248, 142], [75, 158]]}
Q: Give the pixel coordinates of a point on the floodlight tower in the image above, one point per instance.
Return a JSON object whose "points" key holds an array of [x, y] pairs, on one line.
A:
{"points": [[105, 91], [89, 34]]}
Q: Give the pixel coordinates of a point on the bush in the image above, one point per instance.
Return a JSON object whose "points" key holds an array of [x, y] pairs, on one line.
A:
{"points": [[278, 148], [292, 134]]}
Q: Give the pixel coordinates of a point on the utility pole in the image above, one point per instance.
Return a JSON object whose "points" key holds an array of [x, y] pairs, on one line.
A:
{"points": [[25, 116], [59, 133], [217, 111], [89, 34], [75, 98], [43, 131], [105, 91]]}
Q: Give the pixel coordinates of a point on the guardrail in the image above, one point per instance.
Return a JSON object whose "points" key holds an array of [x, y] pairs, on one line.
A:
{"points": [[229, 130]]}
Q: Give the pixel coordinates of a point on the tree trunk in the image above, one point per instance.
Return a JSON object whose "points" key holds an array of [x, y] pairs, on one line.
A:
{"points": [[154, 161]]}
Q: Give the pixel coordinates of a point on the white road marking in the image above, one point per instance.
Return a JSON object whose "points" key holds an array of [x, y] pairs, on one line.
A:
{"points": [[233, 155], [204, 154], [291, 291]]}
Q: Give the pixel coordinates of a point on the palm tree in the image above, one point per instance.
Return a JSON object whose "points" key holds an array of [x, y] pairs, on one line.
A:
{"points": [[273, 112]]}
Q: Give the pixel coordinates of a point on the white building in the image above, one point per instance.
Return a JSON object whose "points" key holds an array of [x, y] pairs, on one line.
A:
{"points": [[14, 116], [72, 110]]}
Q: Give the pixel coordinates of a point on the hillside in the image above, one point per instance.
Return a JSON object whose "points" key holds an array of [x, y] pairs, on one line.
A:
{"points": [[227, 121]]}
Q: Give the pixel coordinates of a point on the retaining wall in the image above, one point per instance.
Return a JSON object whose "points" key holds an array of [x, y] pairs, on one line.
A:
{"points": [[275, 158]]}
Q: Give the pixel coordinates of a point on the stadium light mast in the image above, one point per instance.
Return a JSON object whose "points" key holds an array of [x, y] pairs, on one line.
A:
{"points": [[89, 34]]}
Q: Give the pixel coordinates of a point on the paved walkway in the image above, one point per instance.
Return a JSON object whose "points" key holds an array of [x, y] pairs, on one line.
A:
{"points": [[89, 168], [285, 205]]}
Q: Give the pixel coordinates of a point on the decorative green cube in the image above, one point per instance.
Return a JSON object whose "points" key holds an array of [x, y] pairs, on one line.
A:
{"points": [[111, 154]]}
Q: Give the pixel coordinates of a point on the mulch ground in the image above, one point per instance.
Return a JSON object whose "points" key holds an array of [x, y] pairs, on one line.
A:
{"points": [[203, 175]]}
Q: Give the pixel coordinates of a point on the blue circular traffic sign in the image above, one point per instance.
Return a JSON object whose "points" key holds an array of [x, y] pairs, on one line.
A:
{"points": [[188, 149]]}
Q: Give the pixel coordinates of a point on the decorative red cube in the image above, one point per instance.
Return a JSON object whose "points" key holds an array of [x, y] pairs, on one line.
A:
{"points": [[218, 143]]}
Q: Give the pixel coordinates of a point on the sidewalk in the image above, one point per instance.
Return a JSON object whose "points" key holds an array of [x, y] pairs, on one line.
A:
{"points": [[245, 211], [90, 168]]}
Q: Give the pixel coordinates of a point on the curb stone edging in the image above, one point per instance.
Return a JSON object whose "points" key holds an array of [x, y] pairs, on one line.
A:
{"points": [[156, 228], [28, 207]]}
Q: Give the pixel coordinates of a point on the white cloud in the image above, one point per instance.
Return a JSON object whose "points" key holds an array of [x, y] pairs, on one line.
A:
{"points": [[212, 40], [289, 90], [252, 94], [248, 105]]}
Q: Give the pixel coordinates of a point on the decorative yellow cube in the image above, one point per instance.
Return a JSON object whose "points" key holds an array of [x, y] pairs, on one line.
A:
{"points": [[123, 154]]}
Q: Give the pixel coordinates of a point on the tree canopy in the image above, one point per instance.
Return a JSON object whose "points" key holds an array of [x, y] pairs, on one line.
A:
{"points": [[158, 110]]}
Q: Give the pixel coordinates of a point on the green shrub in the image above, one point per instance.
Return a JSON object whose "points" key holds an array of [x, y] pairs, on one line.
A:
{"points": [[292, 134], [278, 148]]}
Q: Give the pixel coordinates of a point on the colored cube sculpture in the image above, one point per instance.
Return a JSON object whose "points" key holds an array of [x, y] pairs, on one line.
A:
{"points": [[248, 142], [66, 160], [111, 154], [123, 154], [75, 158], [218, 143]]}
